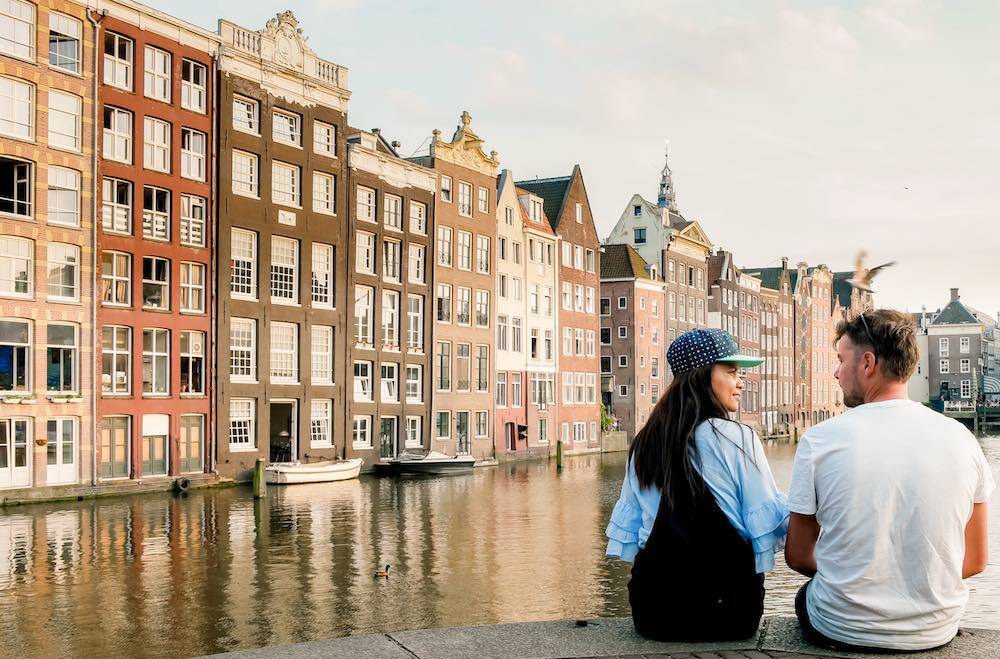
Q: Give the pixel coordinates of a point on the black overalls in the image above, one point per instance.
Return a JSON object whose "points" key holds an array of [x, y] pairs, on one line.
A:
{"points": [[696, 578]]}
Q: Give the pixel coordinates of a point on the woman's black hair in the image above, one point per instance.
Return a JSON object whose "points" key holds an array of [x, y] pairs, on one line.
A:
{"points": [[664, 452]]}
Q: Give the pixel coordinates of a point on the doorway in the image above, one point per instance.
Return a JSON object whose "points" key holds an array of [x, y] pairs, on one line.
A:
{"points": [[510, 433], [284, 431], [388, 438], [61, 451]]}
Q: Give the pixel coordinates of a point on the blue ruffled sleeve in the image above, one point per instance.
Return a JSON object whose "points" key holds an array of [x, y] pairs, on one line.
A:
{"points": [[626, 519]]}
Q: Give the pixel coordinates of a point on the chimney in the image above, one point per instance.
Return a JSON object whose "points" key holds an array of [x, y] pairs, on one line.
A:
{"points": [[376, 131], [954, 295], [396, 144], [784, 263]]}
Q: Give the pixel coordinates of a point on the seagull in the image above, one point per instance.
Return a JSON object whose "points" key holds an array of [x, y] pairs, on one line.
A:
{"points": [[862, 278]]}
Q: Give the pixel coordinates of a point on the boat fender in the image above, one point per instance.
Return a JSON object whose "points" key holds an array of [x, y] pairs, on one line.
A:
{"points": [[182, 484]]}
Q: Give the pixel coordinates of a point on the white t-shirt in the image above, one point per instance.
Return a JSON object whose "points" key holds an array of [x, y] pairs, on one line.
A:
{"points": [[891, 485]]}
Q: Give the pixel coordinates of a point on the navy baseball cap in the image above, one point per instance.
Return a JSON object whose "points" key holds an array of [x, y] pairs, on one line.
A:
{"points": [[703, 346]]}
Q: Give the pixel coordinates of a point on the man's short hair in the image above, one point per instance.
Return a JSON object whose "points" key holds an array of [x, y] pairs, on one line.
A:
{"points": [[891, 335]]}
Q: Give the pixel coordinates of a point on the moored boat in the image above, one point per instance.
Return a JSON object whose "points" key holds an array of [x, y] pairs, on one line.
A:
{"points": [[289, 473], [432, 463]]}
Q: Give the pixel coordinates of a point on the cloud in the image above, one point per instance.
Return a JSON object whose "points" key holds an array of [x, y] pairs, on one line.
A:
{"points": [[890, 18]]}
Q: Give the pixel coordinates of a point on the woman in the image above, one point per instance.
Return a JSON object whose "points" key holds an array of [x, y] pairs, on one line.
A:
{"points": [[699, 514]]}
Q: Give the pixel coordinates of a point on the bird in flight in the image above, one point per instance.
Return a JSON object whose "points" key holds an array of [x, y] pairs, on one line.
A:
{"points": [[862, 279]]}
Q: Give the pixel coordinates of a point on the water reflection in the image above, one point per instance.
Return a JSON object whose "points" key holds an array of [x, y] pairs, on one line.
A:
{"points": [[212, 571]]}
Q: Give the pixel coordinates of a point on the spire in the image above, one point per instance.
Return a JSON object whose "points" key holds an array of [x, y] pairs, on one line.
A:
{"points": [[667, 199]]}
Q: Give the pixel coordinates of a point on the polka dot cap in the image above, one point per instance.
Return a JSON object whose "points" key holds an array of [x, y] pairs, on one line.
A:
{"points": [[703, 346]]}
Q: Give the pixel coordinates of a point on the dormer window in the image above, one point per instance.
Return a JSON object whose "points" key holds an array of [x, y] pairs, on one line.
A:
{"points": [[368, 141], [536, 210], [636, 211]]}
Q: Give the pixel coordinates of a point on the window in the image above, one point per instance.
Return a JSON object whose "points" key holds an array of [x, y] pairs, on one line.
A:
{"points": [[322, 354], [590, 343], [463, 306], [17, 261], [590, 300], [502, 333], [243, 349], [284, 352], [116, 276], [964, 366], [418, 218], [444, 366], [17, 98], [622, 361], [363, 315], [446, 189], [193, 220], [515, 390], [963, 345], [415, 323], [362, 432], [246, 115], [17, 29], [117, 135], [590, 260], [533, 345], [64, 197], [517, 252], [414, 384], [463, 367], [464, 249], [193, 148], [501, 400], [482, 424], [155, 213], [578, 257], [393, 211], [482, 368], [483, 254], [192, 363], [364, 253], [502, 286], [243, 261], [156, 145], [284, 270], [414, 430], [416, 268], [15, 349], [64, 271], [606, 336], [246, 181], [966, 388], [320, 420], [578, 342], [444, 246], [324, 139], [155, 361], [464, 199], [65, 121], [444, 303], [61, 358], [605, 306], [322, 275], [117, 61], [535, 210], [193, 81], [155, 283], [944, 366], [484, 200], [156, 77], [482, 308], [605, 364], [391, 260], [323, 193], [286, 184], [193, 287], [389, 381], [286, 128], [623, 391], [362, 381], [366, 204], [567, 387], [242, 434], [943, 346], [390, 319]]}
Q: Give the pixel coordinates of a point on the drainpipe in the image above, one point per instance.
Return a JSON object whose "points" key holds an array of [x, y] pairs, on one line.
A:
{"points": [[213, 405], [94, 372]]}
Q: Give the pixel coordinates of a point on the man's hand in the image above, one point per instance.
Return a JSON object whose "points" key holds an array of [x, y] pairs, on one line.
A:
{"points": [[800, 547]]}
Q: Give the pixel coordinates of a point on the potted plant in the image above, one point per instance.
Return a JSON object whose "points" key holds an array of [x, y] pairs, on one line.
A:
{"points": [[11, 398], [28, 400]]}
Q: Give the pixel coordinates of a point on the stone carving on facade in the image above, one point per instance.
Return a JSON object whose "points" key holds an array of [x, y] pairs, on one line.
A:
{"points": [[465, 149], [289, 40]]}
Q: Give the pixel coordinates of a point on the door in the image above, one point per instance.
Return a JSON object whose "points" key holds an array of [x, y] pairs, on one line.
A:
{"points": [[462, 445], [61, 448], [192, 436], [15, 438], [388, 438], [284, 439], [155, 456], [509, 433]]}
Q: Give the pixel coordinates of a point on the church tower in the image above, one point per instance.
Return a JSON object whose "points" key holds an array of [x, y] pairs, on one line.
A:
{"points": [[667, 199]]}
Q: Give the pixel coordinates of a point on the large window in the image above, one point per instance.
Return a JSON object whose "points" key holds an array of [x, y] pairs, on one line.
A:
{"points": [[17, 29], [17, 262], [193, 363], [324, 191], [324, 139], [362, 381], [116, 200], [242, 433], [284, 270], [65, 121], [64, 197], [156, 144], [501, 400], [444, 303], [246, 115], [322, 354], [391, 260], [464, 198], [482, 308], [320, 422], [390, 319], [463, 367], [363, 315], [365, 204], [364, 257], [192, 287], [482, 368], [414, 383], [444, 246], [116, 276], [116, 360], [284, 352], [414, 432], [118, 60], [246, 180], [115, 441], [464, 249], [155, 361], [194, 147], [193, 81], [444, 366], [322, 275], [117, 135], [15, 355], [17, 98], [64, 272], [463, 306], [243, 284], [286, 127], [193, 227], [393, 211], [416, 271], [16, 188], [155, 283], [242, 349], [286, 184], [415, 323], [155, 213], [156, 77], [418, 218], [389, 383], [483, 254], [61, 358], [362, 432]]}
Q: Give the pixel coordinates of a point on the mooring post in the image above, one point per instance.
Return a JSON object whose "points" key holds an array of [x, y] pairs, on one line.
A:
{"points": [[559, 453], [259, 486], [795, 433]]}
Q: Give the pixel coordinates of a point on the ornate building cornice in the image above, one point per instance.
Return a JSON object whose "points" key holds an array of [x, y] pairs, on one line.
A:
{"points": [[465, 149]]}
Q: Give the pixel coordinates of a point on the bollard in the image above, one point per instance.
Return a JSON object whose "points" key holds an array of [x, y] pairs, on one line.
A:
{"points": [[259, 486], [795, 432], [559, 453]]}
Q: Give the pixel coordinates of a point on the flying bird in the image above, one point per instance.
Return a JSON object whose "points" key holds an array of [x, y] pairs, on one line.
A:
{"points": [[862, 279]]}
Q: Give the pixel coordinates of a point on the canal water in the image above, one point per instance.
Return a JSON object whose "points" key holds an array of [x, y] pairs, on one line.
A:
{"points": [[168, 576]]}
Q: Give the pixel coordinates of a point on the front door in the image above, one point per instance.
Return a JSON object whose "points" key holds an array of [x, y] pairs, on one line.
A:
{"points": [[388, 438], [15, 437], [62, 451], [284, 440], [462, 446], [511, 434]]}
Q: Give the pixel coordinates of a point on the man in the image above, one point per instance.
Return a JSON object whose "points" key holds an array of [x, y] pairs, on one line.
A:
{"points": [[888, 504]]}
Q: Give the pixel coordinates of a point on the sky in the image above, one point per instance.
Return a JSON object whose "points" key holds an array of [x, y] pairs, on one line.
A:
{"points": [[802, 129]]}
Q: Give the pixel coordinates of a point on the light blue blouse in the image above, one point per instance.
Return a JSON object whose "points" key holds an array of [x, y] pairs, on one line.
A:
{"points": [[736, 471]]}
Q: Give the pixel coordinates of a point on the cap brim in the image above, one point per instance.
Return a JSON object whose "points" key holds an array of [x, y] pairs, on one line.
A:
{"points": [[743, 361]]}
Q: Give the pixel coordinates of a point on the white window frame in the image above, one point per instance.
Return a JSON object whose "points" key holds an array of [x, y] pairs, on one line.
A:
{"points": [[366, 204], [117, 71], [110, 277], [362, 375], [416, 272], [324, 193], [284, 270], [463, 251], [246, 174], [242, 424], [321, 423], [194, 223], [115, 385], [446, 189], [418, 218], [194, 95], [120, 141], [156, 144], [192, 160], [392, 256], [61, 255], [363, 325], [392, 212], [388, 386], [243, 280], [415, 323], [286, 127], [414, 432], [156, 74], [361, 433], [322, 283], [390, 319], [364, 253], [64, 197], [243, 350], [164, 283], [158, 359], [464, 199], [284, 349], [444, 246], [321, 354], [325, 139], [19, 96], [286, 184], [156, 218], [192, 348], [65, 351], [246, 115], [65, 121], [193, 287], [24, 50]]}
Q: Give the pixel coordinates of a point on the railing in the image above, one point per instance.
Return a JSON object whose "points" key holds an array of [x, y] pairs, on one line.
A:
{"points": [[328, 71], [246, 41], [958, 406]]}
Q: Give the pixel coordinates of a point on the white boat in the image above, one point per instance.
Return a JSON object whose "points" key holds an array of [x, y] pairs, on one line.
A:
{"points": [[312, 472], [432, 463]]}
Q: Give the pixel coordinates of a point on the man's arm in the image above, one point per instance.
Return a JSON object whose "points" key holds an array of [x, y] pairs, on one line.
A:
{"points": [[976, 542], [800, 547]]}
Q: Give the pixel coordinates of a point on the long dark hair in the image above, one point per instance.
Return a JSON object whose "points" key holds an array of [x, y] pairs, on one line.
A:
{"points": [[663, 452]]}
